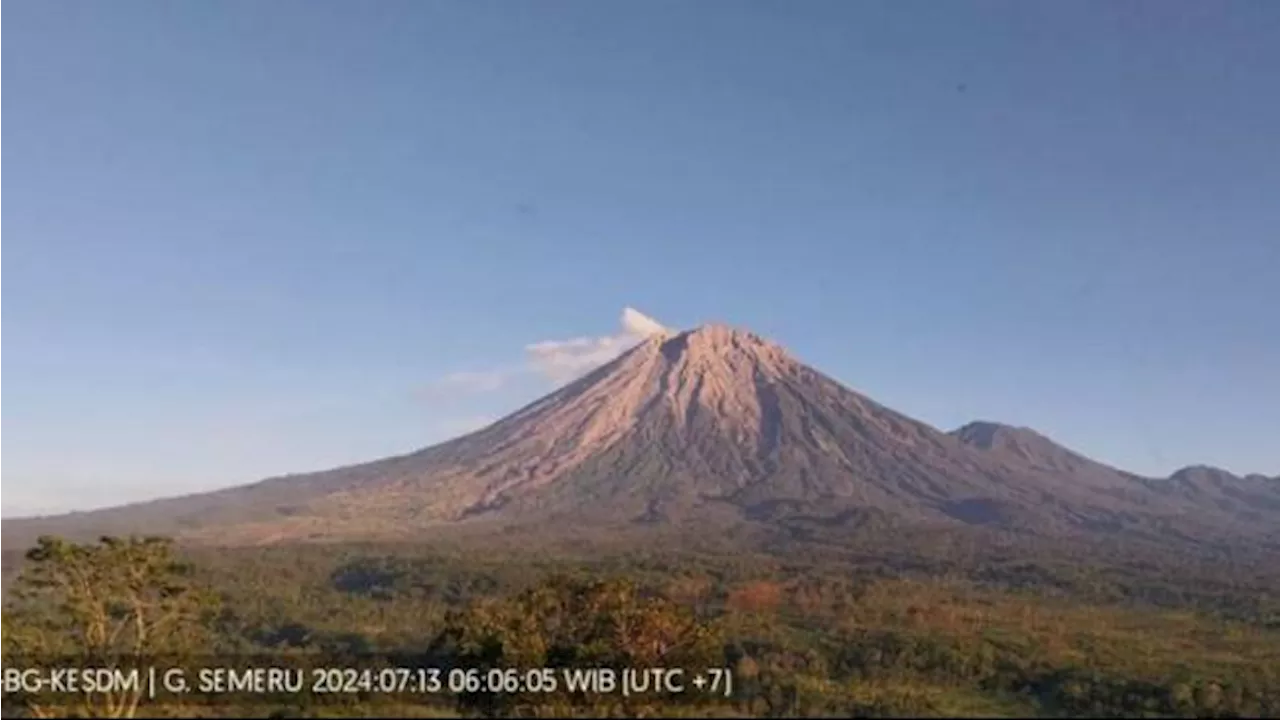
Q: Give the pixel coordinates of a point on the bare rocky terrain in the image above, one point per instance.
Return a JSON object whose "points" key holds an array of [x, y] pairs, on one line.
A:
{"points": [[705, 429]]}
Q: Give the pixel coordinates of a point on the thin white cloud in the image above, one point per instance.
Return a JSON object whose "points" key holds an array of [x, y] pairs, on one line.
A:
{"points": [[559, 360], [637, 323], [468, 383], [564, 360], [474, 381]]}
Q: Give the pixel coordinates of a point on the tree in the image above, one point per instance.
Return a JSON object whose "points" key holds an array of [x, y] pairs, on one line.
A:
{"points": [[566, 623], [103, 605]]}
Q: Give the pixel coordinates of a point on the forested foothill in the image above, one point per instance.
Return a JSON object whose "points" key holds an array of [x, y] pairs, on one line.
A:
{"points": [[928, 625]]}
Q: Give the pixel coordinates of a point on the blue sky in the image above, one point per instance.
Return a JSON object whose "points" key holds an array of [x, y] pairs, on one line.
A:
{"points": [[247, 238]]}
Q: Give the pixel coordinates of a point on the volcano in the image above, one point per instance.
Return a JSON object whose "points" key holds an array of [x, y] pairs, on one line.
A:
{"points": [[700, 428]]}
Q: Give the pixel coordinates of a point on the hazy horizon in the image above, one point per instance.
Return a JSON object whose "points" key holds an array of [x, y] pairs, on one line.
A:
{"points": [[254, 239]]}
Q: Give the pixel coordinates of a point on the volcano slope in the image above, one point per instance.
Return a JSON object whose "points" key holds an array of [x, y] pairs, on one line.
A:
{"points": [[707, 429]]}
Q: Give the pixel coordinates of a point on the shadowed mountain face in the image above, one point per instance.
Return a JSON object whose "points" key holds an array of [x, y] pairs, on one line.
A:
{"points": [[1025, 450], [1027, 446], [705, 428]]}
